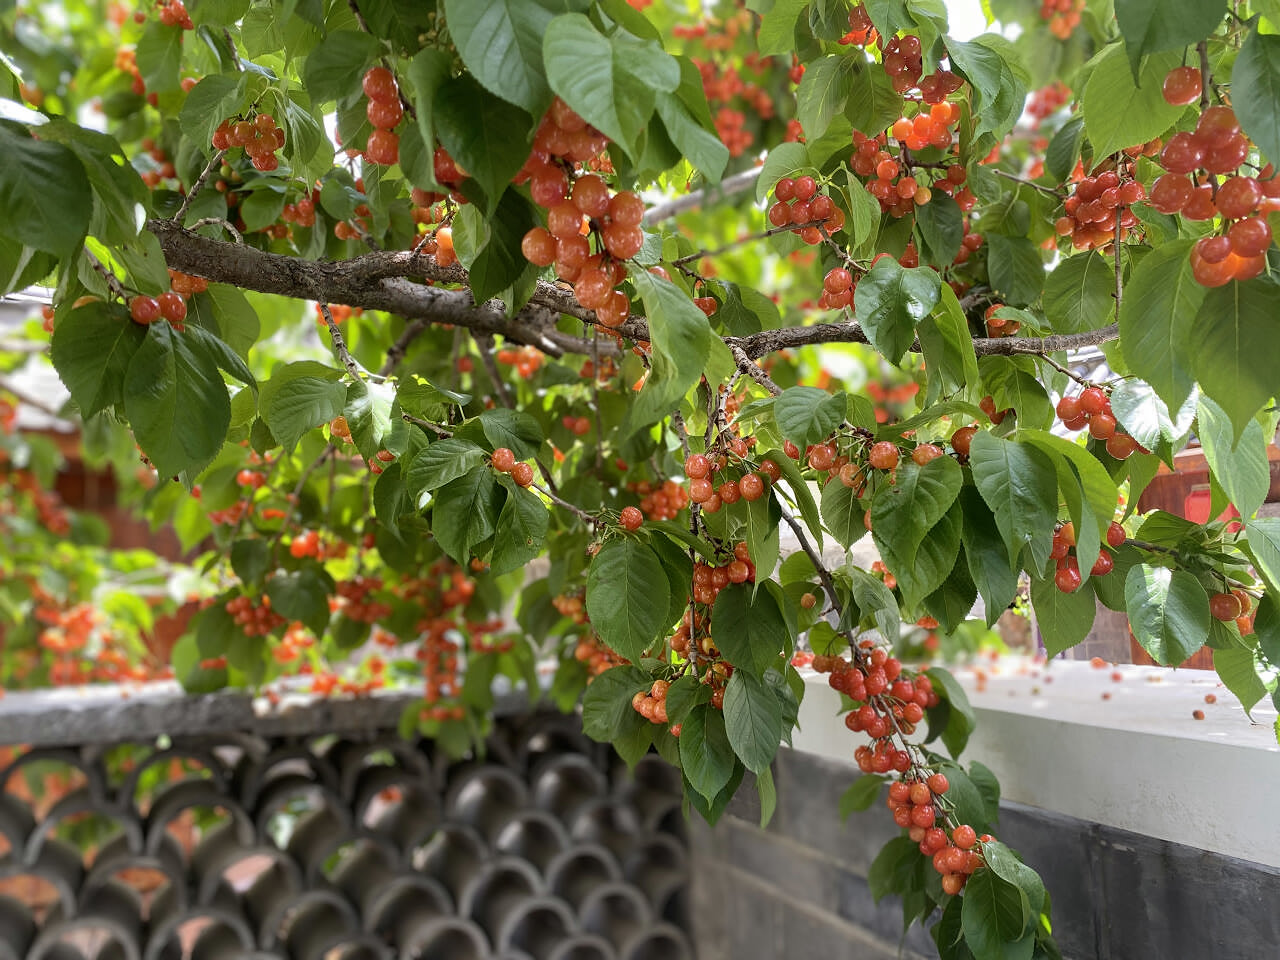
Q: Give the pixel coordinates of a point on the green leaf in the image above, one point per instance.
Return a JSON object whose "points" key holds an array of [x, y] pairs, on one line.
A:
{"points": [[778, 28], [688, 123], [176, 401], [500, 41], [912, 526], [159, 56], [427, 72], [824, 89], [999, 90], [993, 918], [753, 720], [872, 596], [751, 631], [487, 136], [1064, 619], [1099, 489], [893, 867], [1266, 623], [1020, 485], [92, 348], [627, 596], [1064, 149], [873, 103], [706, 756], [1145, 416], [500, 262], [1161, 303], [339, 57], [681, 345], [961, 720], [842, 513], [1154, 26], [890, 301], [440, 463], [951, 602], [302, 595], [1235, 354], [464, 512], [1236, 668], [250, 559], [368, 413], [607, 702], [1240, 466], [760, 522], [862, 793], [1119, 112], [1015, 267], [1080, 293], [987, 556], [119, 195], [300, 405], [1255, 87], [807, 415], [514, 429], [522, 527], [940, 226], [612, 82], [1264, 544], [1168, 612], [768, 795], [212, 100], [799, 487], [1006, 865], [45, 197], [947, 347]]}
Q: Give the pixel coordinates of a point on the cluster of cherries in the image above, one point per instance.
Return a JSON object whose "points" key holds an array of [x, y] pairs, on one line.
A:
{"points": [[1235, 605], [168, 306], [750, 485], [660, 501], [356, 601], [1047, 101], [797, 203], [309, 544], [1092, 408], [1067, 573], [580, 205], [837, 289], [1091, 213], [260, 137], [504, 461], [173, 13], [526, 360], [1063, 16], [694, 632], [709, 580], [652, 704], [256, 619], [384, 112]]}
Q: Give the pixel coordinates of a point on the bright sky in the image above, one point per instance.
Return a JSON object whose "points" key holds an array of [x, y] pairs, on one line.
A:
{"points": [[965, 18]]}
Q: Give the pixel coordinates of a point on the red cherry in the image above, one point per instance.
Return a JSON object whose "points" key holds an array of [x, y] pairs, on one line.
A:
{"points": [[631, 518], [144, 309], [1092, 401], [1115, 534], [1182, 85]]}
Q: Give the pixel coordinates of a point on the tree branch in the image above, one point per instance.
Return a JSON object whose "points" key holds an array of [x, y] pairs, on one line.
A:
{"points": [[387, 280], [728, 187]]}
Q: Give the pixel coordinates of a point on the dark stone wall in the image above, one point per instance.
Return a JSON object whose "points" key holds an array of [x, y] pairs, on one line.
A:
{"points": [[798, 889]]}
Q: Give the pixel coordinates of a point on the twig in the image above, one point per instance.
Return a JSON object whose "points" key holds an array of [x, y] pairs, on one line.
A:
{"points": [[396, 352], [113, 282], [339, 344], [329, 450], [728, 187], [750, 238], [214, 163], [218, 222], [1061, 369], [1119, 273], [577, 511], [595, 399], [427, 424], [823, 574], [750, 368], [1047, 191], [485, 343], [1202, 48]]}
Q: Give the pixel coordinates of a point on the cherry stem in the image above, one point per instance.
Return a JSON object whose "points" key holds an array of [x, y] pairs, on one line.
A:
{"points": [[566, 505]]}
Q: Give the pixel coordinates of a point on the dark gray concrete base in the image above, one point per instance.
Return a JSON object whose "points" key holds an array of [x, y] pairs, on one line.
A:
{"points": [[798, 889]]}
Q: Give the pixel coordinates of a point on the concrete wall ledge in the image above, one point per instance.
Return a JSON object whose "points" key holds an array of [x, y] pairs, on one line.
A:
{"points": [[1136, 760]]}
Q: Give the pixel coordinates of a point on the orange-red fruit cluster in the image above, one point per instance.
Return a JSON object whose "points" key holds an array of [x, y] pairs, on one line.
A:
{"points": [[260, 137], [1063, 16], [1092, 409], [749, 486], [504, 461], [255, 619], [173, 13], [384, 112], [1067, 575], [798, 203], [1217, 147], [662, 501], [653, 704], [1091, 213]]}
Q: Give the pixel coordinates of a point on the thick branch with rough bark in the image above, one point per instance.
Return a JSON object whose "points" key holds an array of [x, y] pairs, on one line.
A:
{"points": [[399, 282]]}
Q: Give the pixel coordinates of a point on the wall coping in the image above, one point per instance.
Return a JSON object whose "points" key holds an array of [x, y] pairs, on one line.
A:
{"points": [[1137, 760], [109, 713]]}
